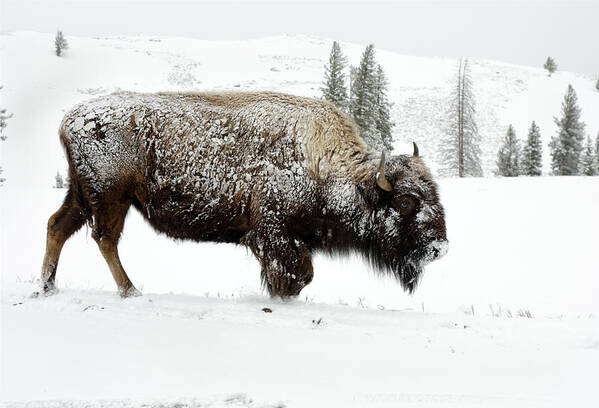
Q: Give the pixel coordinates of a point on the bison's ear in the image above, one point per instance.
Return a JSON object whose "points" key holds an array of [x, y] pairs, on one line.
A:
{"points": [[381, 180]]}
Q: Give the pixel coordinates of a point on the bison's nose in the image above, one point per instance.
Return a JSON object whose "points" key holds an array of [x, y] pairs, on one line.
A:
{"points": [[438, 248]]}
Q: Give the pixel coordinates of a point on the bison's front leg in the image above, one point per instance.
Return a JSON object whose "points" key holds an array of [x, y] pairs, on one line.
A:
{"points": [[286, 261]]}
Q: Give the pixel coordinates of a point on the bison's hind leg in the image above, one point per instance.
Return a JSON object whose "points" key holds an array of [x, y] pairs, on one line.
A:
{"points": [[109, 219], [61, 225]]}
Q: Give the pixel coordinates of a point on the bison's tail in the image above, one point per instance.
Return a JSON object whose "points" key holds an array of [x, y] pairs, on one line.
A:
{"points": [[76, 188]]}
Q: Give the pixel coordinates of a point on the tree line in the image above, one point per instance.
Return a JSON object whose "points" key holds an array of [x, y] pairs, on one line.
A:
{"points": [[367, 102], [571, 154], [365, 98]]}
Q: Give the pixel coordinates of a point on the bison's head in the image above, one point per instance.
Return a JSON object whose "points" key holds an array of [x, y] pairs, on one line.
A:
{"points": [[403, 227]]}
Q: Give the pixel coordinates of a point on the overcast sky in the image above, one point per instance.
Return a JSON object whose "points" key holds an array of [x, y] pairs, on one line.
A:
{"points": [[522, 32]]}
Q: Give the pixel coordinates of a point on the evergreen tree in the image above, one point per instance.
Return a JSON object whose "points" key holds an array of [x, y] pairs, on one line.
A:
{"points": [[597, 152], [532, 156], [60, 43], [550, 65], [384, 124], [460, 152], [589, 162], [59, 181], [597, 84], [507, 158], [334, 89], [3, 117], [566, 146], [369, 105], [362, 106]]}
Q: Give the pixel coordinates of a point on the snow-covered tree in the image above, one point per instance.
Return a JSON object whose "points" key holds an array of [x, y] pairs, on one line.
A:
{"points": [[59, 181], [508, 156], [550, 65], [597, 151], [384, 124], [460, 151], [589, 159], [597, 84], [60, 43], [566, 146], [368, 101], [334, 88], [362, 101], [531, 162], [4, 116]]}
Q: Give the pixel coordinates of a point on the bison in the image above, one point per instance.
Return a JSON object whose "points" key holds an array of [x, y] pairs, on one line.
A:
{"points": [[285, 176]]}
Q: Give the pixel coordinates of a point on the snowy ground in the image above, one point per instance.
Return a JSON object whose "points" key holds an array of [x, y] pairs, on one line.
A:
{"points": [[507, 319], [92, 346]]}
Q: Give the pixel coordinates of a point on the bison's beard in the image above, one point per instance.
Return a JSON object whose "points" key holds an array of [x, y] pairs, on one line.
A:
{"points": [[390, 259], [406, 269], [404, 262]]}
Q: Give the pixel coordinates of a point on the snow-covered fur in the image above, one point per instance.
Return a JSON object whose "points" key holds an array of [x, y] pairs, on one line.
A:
{"points": [[283, 175]]}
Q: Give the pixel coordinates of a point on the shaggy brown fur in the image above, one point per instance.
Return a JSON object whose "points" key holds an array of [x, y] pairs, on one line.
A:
{"points": [[283, 175]]}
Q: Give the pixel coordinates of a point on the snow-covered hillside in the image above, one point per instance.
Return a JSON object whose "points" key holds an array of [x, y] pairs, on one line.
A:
{"points": [[39, 87], [507, 318]]}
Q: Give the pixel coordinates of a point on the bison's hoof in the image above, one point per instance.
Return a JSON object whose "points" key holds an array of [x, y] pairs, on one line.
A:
{"points": [[129, 292], [49, 289]]}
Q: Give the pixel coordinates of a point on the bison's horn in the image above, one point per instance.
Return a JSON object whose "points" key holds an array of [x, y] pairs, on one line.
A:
{"points": [[415, 149], [381, 180]]}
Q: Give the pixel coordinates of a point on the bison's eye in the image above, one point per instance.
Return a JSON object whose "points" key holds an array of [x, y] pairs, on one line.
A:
{"points": [[405, 205]]}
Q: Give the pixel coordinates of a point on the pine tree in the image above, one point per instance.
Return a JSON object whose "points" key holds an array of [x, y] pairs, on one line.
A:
{"points": [[550, 65], [384, 124], [532, 155], [3, 117], [58, 181], [334, 88], [597, 84], [369, 105], [589, 162], [362, 106], [60, 43], [597, 152], [460, 152], [566, 146], [507, 158]]}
